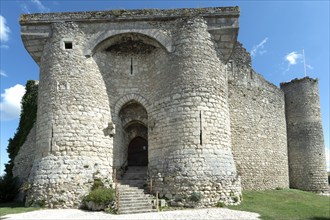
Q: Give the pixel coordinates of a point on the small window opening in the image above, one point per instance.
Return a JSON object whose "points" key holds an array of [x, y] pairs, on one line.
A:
{"points": [[68, 45], [200, 129], [131, 66]]}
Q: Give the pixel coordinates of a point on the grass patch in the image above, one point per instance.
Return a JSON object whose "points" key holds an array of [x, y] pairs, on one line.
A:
{"points": [[14, 208], [286, 204]]}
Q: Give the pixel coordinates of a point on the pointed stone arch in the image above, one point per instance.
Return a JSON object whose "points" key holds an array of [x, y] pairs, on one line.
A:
{"points": [[131, 98]]}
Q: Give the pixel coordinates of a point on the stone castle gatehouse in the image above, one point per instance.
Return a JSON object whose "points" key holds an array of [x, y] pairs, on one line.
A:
{"points": [[169, 90]]}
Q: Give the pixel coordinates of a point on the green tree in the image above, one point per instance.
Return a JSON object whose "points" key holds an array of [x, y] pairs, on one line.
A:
{"points": [[8, 185]]}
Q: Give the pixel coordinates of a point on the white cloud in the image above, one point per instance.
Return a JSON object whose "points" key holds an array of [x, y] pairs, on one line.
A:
{"points": [[40, 6], [294, 58], [309, 66], [2, 73], [34, 6], [259, 48], [10, 105], [4, 30], [25, 9]]}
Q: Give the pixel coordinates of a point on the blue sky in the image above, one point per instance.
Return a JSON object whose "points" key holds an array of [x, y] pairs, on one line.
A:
{"points": [[275, 32]]}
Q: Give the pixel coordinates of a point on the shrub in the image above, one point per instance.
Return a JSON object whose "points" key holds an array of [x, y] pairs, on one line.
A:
{"points": [[101, 196], [40, 203], [97, 184], [111, 210], [99, 199], [221, 204], [196, 196]]}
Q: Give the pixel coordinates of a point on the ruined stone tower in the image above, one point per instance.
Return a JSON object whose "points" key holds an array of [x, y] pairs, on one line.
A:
{"points": [[169, 90], [307, 165]]}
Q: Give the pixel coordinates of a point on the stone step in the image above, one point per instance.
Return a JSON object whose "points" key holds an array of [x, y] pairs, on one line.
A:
{"points": [[140, 187], [129, 187], [133, 182], [129, 203], [134, 206], [132, 199], [127, 191], [134, 211], [133, 196]]}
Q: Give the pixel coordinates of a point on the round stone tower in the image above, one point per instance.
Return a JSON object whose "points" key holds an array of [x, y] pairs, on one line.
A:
{"points": [[194, 155], [307, 164], [72, 149]]}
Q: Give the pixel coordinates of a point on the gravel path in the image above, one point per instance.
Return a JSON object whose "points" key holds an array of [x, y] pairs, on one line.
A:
{"points": [[191, 214]]}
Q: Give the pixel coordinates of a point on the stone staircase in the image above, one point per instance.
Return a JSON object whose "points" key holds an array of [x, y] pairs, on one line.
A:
{"points": [[133, 192]]}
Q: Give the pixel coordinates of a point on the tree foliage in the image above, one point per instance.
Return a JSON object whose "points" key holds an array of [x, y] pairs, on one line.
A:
{"points": [[27, 119]]}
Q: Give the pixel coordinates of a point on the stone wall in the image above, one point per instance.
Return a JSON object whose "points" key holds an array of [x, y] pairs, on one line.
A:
{"points": [[258, 127], [176, 92], [167, 72], [24, 160], [191, 149], [163, 75], [73, 111], [307, 164]]}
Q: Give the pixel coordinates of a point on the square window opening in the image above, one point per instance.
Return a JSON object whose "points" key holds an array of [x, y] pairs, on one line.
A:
{"points": [[68, 45]]}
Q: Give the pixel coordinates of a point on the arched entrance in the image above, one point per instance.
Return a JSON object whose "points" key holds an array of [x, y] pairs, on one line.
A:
{"points": [[134, 121], [138, 152]]}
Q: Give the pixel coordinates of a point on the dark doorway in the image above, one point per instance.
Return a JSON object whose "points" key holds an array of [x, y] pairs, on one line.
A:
{"points": [[138, 152]]}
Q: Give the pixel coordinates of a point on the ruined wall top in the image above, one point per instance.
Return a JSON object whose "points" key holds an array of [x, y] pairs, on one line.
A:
{"points": [[296, 80], [240, 56], [140, 14]]}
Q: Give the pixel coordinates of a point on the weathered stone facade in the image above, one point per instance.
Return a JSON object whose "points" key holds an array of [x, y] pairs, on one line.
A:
{"points": [[307, 167], [172, 77], [258, 126]]}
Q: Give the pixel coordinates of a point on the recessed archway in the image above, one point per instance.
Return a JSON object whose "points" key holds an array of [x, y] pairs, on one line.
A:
{"points": [[100, 38], [138, 152], [134, 124]]}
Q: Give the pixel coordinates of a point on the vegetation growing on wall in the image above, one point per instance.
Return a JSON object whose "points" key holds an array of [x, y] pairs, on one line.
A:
{"points": [[8, 188]]}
